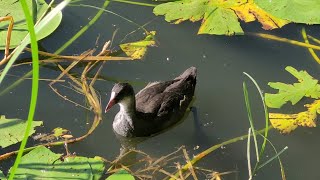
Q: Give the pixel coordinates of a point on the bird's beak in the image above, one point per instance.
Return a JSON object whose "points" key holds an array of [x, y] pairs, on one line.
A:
{"points": [[111, 102]]}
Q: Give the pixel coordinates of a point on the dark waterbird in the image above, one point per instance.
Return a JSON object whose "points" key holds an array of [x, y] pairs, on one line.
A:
{"points": [[156, 107]]}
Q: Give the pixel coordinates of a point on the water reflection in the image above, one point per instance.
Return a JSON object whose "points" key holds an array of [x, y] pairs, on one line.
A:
{"points": [[129, 146]]}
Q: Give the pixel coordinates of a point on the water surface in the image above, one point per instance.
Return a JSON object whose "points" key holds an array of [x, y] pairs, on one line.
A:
{"points": [[220, 61]]}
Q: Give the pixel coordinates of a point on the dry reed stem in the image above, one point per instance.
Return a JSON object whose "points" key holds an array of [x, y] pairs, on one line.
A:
{"points": [[314, 39], [190, 165], [168, 174], [180, 172], [7, 54], [93, 101], [311, 51], [82, 57], [290, 41]]}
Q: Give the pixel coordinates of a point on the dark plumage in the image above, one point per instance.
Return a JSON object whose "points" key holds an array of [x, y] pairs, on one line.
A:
{"points": [[156, 107]]}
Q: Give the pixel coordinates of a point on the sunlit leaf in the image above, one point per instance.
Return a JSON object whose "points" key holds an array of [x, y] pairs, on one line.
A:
{"points": [[121, 175], [307, 86], [309, 117], [283, 122], [286, 123], [41, 163], [57, 132], [12, 130], [20, 30], [249, 12], [218, 17], [227, 20], [300, 11], [138, 49]]}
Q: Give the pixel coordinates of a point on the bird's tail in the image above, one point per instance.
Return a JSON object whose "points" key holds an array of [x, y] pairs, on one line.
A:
{"points": [[190, 72]]}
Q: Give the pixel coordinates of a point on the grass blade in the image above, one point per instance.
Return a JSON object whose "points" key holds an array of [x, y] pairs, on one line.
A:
{"points": [[248, 154], [84, 29], [35, 66], [246, 98], [266, 113], [35, 84], [272, 158]]}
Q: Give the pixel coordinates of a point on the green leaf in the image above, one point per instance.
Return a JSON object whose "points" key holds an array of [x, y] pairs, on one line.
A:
{"points": [[57, 132], [2, 176], [41, 163], [121, 175], [217, 17], [299, 11], [220, 17], [12, 130], [307, 86], [20, 30], [227, 20], [136, 50], [182, 10]]}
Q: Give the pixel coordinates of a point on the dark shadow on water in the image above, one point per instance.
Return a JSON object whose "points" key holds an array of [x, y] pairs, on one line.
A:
{"points": [[199, 135]]}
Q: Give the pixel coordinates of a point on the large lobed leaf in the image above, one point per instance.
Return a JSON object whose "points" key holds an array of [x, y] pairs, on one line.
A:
{"points": [[20, 30], [307, 86], [41, 163], [299, 11], [218, 17], [12, 130]]}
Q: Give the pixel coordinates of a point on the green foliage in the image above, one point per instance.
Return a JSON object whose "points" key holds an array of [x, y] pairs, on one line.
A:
{"points": [[216, 19], [307, 86], [121, 175], [300, 11], [35, 83], [136, 50], [12, 130], [41, 163], [20, 29], [57, 132], [182, 10], [221, 17]]}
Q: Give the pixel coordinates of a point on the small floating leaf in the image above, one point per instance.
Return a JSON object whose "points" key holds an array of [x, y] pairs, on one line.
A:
{"points": [[20, 29], [12, 130], [41, 163], [138, 49], [307, 86], [121, 175], [57, 132]]}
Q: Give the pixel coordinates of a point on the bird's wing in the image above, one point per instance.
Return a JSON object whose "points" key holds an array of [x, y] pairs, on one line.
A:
{"points": [[149, 99], [171, 103]]}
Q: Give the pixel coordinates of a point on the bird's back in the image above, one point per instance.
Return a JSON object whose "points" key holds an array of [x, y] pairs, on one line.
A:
{"points": [[161, 99]]}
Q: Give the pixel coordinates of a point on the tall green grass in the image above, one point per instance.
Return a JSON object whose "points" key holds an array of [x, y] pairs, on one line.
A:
{"points": [[35, 69], [258, 164]]}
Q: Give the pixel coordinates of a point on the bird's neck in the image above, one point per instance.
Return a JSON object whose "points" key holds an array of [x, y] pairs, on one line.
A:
{"points": [[128, 106]]}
